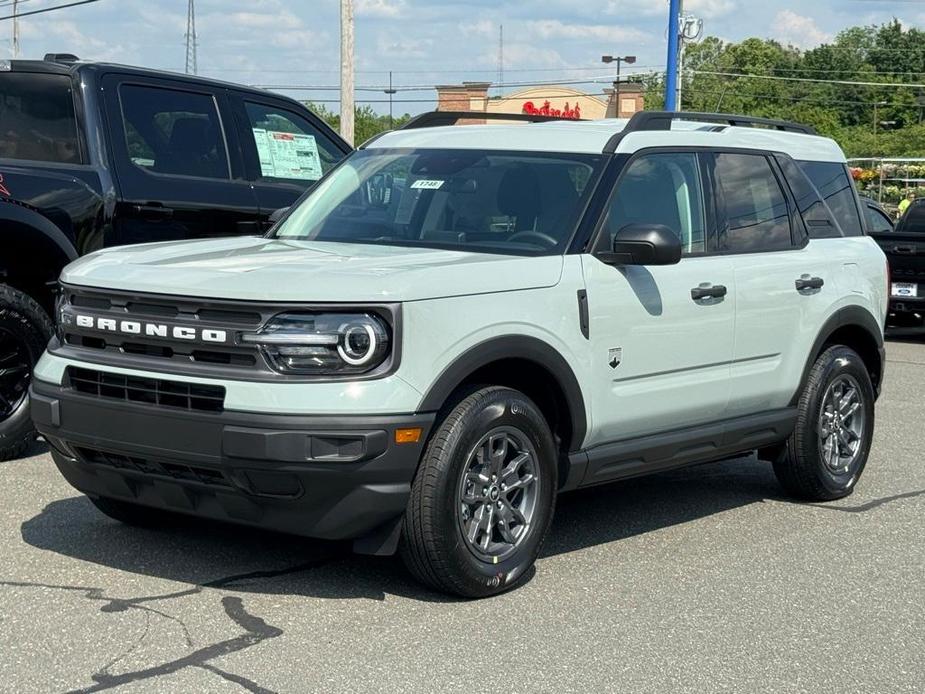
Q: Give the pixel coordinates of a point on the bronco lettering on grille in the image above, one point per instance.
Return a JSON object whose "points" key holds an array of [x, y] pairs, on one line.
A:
{"points": [[133, 327]]}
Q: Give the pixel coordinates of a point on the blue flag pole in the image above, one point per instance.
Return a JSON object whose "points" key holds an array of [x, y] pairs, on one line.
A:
{"points": [[671, 68]]}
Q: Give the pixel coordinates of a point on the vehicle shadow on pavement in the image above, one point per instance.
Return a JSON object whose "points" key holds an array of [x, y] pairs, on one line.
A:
{"points": [[210, 554]]}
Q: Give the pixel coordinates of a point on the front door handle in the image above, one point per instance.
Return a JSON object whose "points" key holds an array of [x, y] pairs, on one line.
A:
{"points": [[708, 291], [806, 282]]}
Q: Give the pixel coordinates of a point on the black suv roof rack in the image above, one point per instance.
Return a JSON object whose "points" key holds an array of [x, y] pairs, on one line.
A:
{"points": [[434, 119], [661, 120]]}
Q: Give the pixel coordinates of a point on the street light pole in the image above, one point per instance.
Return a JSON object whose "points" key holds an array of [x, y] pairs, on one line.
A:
{"points": [[629, 60], [390, 91], [671, 67]]}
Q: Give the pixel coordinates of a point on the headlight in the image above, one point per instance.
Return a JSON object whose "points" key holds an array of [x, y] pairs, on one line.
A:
{"points": [[323, 343]]}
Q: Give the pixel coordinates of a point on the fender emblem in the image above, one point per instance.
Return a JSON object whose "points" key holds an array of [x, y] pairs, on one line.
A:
{"points": [[3, 190], [616, 356]]}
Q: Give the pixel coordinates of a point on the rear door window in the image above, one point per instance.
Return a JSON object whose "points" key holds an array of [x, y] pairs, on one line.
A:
{"points": [[288, 146], [877, 221], [832, 181], [757, 217], [173, 132], [37, 119]]}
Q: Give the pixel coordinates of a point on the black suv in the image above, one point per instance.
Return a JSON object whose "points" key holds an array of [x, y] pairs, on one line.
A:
{"points": [[95, 155]]}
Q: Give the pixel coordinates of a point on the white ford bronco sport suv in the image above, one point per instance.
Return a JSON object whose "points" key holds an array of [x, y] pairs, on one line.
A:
{"points": [[457, 323]]}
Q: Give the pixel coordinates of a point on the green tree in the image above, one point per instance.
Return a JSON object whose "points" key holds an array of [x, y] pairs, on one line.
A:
{"points": [[367, 123]]}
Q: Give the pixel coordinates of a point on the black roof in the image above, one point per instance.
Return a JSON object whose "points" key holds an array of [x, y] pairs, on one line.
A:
{"points": [[69, 67]]}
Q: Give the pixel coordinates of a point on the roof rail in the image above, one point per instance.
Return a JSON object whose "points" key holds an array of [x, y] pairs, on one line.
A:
{"points": [[435, 119], [60, 58], [661, 120]]}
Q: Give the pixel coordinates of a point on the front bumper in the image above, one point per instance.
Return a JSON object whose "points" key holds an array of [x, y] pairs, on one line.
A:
{"points": [[331, 477]]}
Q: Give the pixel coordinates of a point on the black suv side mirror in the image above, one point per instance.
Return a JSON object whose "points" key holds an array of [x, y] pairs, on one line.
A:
{"points": [[276, 215], [644, 244]]}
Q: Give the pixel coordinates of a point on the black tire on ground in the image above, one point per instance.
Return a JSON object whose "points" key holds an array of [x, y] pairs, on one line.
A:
{"points": [[801, 468], [434, 547], [25, 330], [135, 514]]}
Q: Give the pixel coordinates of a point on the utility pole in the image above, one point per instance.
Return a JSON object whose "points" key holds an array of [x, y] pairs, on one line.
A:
{"points": [[191, 67], [346, 71], [500, 58], [391, 92], [671, 63], [15, 29]]}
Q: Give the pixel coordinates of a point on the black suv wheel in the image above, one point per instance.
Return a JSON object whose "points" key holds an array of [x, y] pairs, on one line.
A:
{"points": [[827, 452], [25, 329], [484, 496]]}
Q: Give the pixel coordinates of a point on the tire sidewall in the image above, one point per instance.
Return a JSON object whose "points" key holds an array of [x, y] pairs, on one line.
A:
{"points": [[504, 408], [23, 317], [838, 361]]}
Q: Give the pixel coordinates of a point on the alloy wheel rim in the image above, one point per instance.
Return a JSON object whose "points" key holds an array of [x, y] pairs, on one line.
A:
{"points": [[15, 372], [497, 496], [841, 425]]}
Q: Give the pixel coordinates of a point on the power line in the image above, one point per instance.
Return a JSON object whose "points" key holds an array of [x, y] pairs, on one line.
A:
{"points": [[48, 9], [854, 83]]}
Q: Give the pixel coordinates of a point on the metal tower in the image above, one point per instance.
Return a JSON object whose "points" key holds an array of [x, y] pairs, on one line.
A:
{"points": [[191, 38]]}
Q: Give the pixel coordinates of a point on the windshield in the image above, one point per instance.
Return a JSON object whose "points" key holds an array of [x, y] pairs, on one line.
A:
{"points": [[913, 221], [473, 200]]}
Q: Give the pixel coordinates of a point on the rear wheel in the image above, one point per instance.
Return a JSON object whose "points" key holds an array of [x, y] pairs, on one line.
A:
{"points": [[483, 498], [25, 330], [827, 452]]}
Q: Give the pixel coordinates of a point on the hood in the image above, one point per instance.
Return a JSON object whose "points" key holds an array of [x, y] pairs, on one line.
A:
{"points": [[261, 269]]}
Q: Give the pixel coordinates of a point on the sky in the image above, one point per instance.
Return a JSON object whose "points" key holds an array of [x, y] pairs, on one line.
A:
{"points": [[293, 45]]}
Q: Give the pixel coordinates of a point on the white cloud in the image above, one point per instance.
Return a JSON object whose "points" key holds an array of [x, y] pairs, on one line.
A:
{"points": [[708, 9], [797, 30], [555, 29], [483, 27], [380, 8], [404, 48]]}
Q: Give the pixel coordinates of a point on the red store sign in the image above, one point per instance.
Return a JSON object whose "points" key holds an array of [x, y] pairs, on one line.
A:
{"points": [[547, 110]]}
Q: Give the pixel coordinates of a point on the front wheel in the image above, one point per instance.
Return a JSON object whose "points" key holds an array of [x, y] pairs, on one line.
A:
{"points": [[483, 498], [827, 452], [25, 329]]}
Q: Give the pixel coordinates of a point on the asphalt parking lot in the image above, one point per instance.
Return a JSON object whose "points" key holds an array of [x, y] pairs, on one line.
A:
{"points": [[704, 579]]}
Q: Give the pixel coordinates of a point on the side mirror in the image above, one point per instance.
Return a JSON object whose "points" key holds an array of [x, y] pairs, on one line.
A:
{"points": [[644, 244], [276, 215]]}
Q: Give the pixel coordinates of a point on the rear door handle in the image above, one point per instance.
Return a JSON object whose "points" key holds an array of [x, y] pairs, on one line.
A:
{"points": [[807, 282], [152, 211], [708, 291]]}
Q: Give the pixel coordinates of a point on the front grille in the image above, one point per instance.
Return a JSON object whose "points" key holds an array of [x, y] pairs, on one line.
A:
{"points": [[186, 355], [147, 391], [146, 466]]}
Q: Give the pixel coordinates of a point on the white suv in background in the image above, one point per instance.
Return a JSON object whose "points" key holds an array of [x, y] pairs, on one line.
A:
{"points": [[458, 323]]}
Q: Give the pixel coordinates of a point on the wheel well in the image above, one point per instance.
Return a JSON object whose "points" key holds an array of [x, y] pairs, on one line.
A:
{"points": [[38, 263], [861, 341], [538, 384]]}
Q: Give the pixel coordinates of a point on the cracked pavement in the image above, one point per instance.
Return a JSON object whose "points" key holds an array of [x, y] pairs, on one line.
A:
{"points": [[704, 579]]}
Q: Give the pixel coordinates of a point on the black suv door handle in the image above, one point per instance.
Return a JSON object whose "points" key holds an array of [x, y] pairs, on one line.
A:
{"points": [[709, 291], [152, 211], [804, 283]]}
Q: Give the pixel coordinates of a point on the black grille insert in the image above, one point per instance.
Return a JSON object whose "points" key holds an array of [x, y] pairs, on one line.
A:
{"points": [[149, 391], [187, 473]]}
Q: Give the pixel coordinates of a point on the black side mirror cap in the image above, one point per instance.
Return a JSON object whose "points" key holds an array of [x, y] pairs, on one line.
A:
{"points": [[644, 244], [277, 215]]}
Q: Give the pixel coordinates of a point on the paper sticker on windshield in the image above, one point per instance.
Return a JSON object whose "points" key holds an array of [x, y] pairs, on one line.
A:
{"points": [[424, 184], [287, 155]]}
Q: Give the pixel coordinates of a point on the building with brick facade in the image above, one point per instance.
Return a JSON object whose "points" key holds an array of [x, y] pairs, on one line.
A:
{"points": [[543, 100]]}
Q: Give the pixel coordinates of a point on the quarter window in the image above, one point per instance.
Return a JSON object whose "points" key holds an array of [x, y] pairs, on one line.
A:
{"points": [[173, 132], [832, 182], [37, 120], [288, 146], [757, 216], [665, 189]]}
